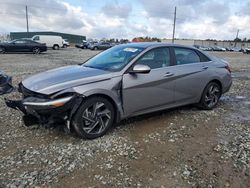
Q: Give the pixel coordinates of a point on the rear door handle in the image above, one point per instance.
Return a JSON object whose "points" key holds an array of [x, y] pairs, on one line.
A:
{"points": [[168, 74], [205, 67]]}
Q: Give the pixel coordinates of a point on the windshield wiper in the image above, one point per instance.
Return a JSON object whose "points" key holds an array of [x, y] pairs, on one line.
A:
{"points": [[101, 68], [89, 66]]}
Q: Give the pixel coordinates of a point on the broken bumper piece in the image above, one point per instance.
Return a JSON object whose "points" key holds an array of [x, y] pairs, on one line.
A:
{"points": [[43, 111], [5, 84], [17, 105]]}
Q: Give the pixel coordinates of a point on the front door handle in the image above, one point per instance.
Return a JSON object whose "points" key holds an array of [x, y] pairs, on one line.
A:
{"points": [[205, 67], [168, 74]]}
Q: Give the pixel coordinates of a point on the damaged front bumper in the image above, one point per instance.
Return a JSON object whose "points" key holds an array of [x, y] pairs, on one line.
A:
{"points": [[46, 111]]}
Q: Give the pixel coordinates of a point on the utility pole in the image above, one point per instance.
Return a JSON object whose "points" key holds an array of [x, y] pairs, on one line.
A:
{"points": [[174, 24], [27, 20], [237, 35]]}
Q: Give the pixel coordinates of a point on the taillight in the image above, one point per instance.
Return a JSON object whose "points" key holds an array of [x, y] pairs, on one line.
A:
{"points": [[228, 68]]}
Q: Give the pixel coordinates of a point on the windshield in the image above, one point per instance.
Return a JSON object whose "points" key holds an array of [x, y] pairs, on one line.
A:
{"points": [[113, 59]]}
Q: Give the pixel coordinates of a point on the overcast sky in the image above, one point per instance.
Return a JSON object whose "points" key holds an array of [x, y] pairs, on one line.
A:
{"points": [[198, 19]]}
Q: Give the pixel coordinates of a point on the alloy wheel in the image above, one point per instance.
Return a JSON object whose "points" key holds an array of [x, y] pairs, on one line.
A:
{"points": [[36, 51], [96, 118], [212, 95]]}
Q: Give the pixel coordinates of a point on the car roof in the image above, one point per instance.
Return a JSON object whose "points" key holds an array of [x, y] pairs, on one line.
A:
{"points": [[25, 39], [154, 44], [146, 45]]}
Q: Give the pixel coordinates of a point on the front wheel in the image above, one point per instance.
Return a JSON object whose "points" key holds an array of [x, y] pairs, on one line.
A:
{"points": [[56, 47], [94, 118], [210, 96], [36, 50]]}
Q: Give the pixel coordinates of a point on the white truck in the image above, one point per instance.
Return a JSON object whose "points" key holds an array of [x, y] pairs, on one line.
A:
{"points": [[65, 43], [51, 41]]}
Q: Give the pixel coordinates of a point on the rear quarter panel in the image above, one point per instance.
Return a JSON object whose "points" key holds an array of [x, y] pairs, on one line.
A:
{"points": [[223, 75]]}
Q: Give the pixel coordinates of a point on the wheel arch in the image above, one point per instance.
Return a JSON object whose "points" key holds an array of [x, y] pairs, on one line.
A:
{"points": [[110, 98], [216, 80], [56, 45], [37, 47]]}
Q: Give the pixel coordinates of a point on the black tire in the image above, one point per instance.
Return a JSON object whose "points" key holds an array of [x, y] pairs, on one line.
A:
{"points": [[36, 50], [65, 46], [2, 50], [95, 48], [210, 96], [89, 123], [56, 47]]}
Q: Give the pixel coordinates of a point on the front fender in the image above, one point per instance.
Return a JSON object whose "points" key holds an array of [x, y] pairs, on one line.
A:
{"points": [[108, 88]]}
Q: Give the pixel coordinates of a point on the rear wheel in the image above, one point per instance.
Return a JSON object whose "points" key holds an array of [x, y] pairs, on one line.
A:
{"points": [[95, 48], [56, 47], [94, 118], [210, 96], [2, 50], [36, 50]]}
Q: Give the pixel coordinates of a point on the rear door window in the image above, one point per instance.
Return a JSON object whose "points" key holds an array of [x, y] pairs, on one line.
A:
{"points": [[203, 57], [186, 56], [31, 42], [20, 42]]}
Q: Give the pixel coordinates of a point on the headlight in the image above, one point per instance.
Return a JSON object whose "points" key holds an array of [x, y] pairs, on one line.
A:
{"points": [[46, 103]]}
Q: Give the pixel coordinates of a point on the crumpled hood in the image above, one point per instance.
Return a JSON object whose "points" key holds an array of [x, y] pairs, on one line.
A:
{"points": [[63, 78]]}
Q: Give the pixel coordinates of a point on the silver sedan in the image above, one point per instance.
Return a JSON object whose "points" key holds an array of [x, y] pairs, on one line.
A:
{"points": [[123, 81]]}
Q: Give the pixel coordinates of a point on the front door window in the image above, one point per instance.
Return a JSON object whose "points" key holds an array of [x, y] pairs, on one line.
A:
{"points": [[156, 58]]}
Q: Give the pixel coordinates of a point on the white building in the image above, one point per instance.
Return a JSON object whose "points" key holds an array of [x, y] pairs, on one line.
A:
{"points": [[209, 43]]}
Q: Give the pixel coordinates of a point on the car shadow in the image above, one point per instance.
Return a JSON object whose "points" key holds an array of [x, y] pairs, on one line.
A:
{"points": [[157, 114], [62, 130]]}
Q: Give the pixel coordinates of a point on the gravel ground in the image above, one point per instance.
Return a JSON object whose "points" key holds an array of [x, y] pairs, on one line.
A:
{"points": [[183, 147]]}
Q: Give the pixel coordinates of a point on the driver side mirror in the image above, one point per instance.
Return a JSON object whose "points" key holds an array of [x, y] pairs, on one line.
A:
{"points": [[141, 69]]}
